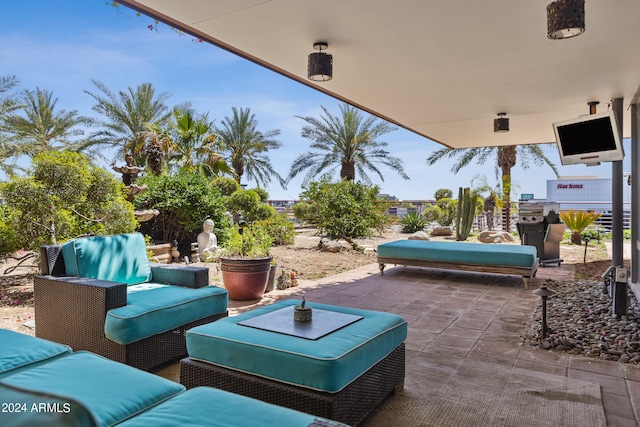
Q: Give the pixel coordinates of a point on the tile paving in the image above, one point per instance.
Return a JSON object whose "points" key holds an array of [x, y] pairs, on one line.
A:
{"points": [[465, 331]]}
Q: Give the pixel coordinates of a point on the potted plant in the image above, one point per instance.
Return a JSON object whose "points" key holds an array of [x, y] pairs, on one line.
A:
{"points": [[245, 264]]}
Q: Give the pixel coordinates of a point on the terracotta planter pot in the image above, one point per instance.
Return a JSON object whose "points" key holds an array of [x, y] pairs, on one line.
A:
{"points": [[245, 279]]}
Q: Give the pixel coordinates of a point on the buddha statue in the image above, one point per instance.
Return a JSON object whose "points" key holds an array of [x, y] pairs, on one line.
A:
{"points": [[207, 241]]}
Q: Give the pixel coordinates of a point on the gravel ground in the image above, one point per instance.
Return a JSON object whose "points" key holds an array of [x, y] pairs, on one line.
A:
{"points": [[580, 321]]}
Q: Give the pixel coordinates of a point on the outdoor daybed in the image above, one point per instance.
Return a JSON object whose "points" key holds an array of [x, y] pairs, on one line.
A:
{"points": [[101, 294], [519, 260]]}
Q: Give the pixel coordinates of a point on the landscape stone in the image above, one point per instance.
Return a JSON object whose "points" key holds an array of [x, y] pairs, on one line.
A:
{"points": [[419, 235], [493, 236], [441, 231]]}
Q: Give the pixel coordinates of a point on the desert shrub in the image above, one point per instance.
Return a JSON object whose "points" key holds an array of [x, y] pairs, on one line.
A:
{"points": [[279, 229], [63, 197], [226, 185], [248, 204], [412, 222], [344, 209], [305, 211], [264, 194], [184, 200], [443, 193], [446, 211]]}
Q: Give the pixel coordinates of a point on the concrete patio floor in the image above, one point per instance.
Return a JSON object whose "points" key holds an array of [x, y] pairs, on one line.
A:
{"points": [[465, 330]]}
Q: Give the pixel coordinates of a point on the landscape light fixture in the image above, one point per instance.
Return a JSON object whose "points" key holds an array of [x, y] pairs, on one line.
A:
{"points": [[544, 293], [565, 19], [320, 66], [501, 124]]}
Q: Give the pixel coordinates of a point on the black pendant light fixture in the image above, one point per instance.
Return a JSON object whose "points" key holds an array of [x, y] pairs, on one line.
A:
{"points": [[565, 19], [320, 66], [501, 124]]}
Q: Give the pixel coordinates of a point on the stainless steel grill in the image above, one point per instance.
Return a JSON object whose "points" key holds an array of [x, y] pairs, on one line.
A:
{"points": [[539, 225]]}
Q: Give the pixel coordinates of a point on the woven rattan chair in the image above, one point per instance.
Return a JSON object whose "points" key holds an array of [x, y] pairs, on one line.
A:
{"points": [[72, 310]]}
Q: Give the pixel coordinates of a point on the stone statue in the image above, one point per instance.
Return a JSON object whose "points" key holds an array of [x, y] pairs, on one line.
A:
{"points": [[207, 241]]}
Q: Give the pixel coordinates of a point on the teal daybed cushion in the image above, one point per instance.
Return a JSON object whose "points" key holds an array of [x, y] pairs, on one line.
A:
{"points": [[210, 407], [327, 364], [461, 252], [19, 351], [121, 258], [32, 408], [153, 308], [111, 391]]}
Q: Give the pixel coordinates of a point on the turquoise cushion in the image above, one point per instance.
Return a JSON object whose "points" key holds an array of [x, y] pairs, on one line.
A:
{"points": [[153, 308], [60, 411], [328, 364], [111, 391], [121, 258], [210, 407], [461, 252], [19, 351]]}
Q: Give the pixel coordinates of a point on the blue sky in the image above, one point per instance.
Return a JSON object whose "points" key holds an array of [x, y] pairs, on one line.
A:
{"points": [[62, 45]]}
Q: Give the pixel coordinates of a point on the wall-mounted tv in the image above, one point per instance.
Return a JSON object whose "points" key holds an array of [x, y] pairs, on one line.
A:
{"points": [[589, 139]]}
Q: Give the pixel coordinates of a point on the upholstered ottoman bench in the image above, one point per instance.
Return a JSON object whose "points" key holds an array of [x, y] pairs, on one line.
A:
{"points": [[518, 260], [340, 365]]}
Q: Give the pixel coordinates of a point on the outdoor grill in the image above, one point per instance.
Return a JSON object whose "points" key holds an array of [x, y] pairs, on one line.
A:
{"points": [[539, 225]]}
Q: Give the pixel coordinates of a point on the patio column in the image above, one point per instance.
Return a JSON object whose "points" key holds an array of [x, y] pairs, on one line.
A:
{"points": [[635, 192], [617, 202]]}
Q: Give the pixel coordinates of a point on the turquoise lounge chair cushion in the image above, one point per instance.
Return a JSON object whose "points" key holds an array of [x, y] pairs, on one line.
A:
{"points": [[327, 364], [19, 352], [210, 407], [154, 308], [461, 252], [121, 258], [111, 391]]}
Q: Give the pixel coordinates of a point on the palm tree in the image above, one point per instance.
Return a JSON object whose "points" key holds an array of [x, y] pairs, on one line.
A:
{"points": [[128, 115], [507, 158], [8, 103], [192, 143], [36, 127], [245, 147], [350, 142]]}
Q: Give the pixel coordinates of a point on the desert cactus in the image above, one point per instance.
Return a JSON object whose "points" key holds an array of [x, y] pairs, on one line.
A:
{"points": [[466, 211]]}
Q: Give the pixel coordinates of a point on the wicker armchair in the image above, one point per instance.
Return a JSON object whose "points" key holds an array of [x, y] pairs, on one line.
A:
{"points": [[72, 310]]}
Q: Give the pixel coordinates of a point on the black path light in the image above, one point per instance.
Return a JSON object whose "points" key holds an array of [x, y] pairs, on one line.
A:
{"points": [[544, 293]]}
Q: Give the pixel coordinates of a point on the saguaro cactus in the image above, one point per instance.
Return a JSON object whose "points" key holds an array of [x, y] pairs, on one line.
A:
{"points": [[466, 211]]}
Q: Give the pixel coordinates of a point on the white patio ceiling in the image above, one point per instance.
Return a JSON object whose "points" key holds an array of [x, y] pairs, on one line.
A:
{"points": [[443, 69]]}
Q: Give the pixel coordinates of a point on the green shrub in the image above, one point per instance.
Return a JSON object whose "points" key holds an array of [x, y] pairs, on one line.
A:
{"points": [[252, 241], [305, 211], [412, 222], [281, 230], [184, 200], [344, 209], [226, 185], [65, 196]]}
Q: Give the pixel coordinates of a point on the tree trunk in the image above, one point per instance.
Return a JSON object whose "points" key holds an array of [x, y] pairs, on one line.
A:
{"points": [[576, 238], [348, 171]]}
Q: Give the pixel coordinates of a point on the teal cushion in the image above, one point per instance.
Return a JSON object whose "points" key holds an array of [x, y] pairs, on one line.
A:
{"points": [[19, 351], [153, 308], [28, 410], [327, 364], [111, 391], [210, 407], [461, 252], [121, 258]]}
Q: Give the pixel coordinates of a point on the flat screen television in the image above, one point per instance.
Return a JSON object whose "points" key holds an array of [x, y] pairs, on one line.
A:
{"points": [[589, 139]]}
